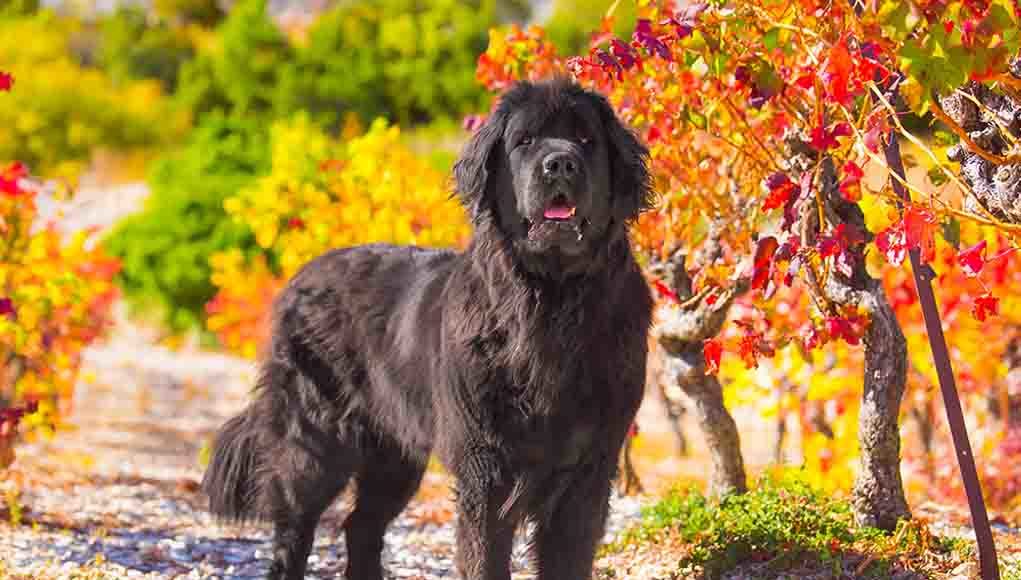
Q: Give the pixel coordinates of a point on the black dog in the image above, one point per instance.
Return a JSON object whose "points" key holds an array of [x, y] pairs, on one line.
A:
{"points": [[520, 362]]}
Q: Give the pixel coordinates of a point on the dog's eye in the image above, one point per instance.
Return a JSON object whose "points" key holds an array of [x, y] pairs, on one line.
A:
{"points": [[526, 141]]}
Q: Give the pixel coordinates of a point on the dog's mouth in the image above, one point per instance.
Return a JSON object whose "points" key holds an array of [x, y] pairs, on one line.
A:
{"points": [[560, 220], [560, 209]]}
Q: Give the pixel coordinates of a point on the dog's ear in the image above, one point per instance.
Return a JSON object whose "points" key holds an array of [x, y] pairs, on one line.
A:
{"points": [[474, 168], [629, 166]]}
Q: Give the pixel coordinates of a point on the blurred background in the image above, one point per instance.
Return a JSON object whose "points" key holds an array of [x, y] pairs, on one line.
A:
{"points": [[189, 156], [215, 146]]}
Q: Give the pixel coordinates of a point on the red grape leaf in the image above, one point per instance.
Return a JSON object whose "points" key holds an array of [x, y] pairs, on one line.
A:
{"points": [[985, 305], [763, 265], [665, 291], [826, 138], [7, 308], [626, 56], [810, 336], [712, 350], [849, 186], [920, 231], [752, 346], [780, 190], [840, 327], [9, 179], [892, 244], [653, 45], [972, 259]]}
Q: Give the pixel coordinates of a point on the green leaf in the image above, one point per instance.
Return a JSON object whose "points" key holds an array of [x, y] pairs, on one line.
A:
{"points": [[697, 119], [933, 72], [952, 232], [699, 230], [772, 38], [766, 77], [1001, 14], [937, 177], [937, 44], [897, 19], [944, 138], [718, 64]]}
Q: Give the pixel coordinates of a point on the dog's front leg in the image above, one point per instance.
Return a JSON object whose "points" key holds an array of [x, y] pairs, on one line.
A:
{"points": [[484, 538], [565, 542]]}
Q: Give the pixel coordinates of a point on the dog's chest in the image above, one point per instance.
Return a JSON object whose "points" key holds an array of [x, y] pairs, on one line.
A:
{"points": [[566, 431], [560, 444]]}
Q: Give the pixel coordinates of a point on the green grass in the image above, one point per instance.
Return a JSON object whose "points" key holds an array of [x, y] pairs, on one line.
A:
{"points": [[783, 525], [1011, 570]]}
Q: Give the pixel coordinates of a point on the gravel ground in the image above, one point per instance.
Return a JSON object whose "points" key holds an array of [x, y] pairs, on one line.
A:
{"points": [[143, 529], [117, 494]]}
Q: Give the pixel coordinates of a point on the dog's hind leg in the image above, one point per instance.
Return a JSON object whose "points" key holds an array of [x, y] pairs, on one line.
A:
{"points": [[294, 530], [308, 469], [385, 484]]}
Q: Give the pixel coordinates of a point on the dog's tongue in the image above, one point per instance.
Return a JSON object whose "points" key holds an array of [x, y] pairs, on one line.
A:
{"points": [[559, 212]]}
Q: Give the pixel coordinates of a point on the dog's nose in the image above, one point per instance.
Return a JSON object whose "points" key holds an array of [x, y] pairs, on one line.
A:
{"points": [[560, 164]]}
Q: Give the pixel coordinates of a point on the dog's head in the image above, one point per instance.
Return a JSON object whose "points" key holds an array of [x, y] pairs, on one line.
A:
{"points": [[555, 170]]}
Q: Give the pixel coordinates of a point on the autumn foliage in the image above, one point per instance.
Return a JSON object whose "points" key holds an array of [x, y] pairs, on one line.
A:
{"points": [[55, 298], [323, 194], [61, 112], [753, 113], [727, 96]]}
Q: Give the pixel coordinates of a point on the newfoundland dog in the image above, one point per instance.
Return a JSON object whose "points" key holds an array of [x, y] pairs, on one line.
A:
{"points": [[519, 362]]}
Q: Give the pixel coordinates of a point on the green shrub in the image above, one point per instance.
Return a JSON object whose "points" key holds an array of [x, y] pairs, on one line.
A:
{"points": [[206, 13], [18, 7], [407, 60], [165, 249], [785, 524], [571, 24], [241, 73], [791, 519], [132, 48]]}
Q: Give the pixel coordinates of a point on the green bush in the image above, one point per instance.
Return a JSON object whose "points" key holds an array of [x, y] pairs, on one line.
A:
{"points": [[784, 524], [206, 13], [408, 60], [165, 248], [241, 74], [571, 24], [18, 7], [132, 48]]}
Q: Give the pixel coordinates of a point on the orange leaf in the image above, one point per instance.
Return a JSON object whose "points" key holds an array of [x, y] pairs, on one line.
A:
{"points": [[920, 231]]}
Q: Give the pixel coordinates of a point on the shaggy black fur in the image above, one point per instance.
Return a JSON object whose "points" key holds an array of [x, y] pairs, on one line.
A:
{"points": [[520, 362]]}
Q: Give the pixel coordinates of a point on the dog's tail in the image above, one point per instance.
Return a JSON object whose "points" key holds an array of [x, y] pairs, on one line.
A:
{"points": [[229, 481], [233, 478]]}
